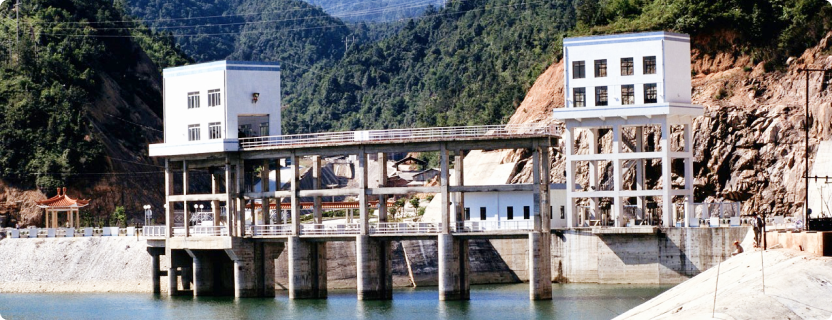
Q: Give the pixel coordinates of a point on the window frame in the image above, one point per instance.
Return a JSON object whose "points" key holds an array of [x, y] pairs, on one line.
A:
{"points": [[193, 100], [214, 130], [646, 66], [194, 132], [578, 92], [578, 69], [483, 214], [648, 87], [627, 66], [598, 95], [510, 213], [600, 64], [631, 94], [214, 98], [527, 212]]}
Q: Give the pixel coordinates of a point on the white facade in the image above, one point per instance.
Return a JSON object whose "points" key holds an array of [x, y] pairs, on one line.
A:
{"points": [[647, 81], [208, 105], [496, 206]]}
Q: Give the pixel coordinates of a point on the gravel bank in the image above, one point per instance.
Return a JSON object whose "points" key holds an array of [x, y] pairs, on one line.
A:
{"points": [[797, 286], [95, 264]]}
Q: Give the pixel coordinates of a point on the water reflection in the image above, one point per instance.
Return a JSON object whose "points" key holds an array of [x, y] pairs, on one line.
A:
{"points": [[571, 301]]}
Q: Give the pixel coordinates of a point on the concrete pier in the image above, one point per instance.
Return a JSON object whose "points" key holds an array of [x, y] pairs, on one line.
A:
{"points": [[453, 268], [203, 273], [374, 268], [540, 266], [155, 271], [307, 269]]}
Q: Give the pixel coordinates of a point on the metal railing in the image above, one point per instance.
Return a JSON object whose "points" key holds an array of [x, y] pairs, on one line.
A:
{"points": [[330, 229], [271, 230], [201, 231], [405, 227], [483, 226], [154, 231], [491, 131]]}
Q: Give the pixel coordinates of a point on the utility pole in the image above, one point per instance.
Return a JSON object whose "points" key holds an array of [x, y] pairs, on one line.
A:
{"points": [[17, 20]]}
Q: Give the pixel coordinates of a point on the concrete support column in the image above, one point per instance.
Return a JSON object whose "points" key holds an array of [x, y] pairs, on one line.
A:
{"points": [[639, 144], [382, 182], [277, 187], [545, 198], [230, 204], [363, 203], [240, 216], [215, 204], [453, 268], [155, 273], [187, 218], [618, 177], [568, 150], [203, 273], [536, 198], [688, 136], [667, 198], [540, 266], [169, 216], [592, 177], [373, 259], [445, 191], [459, 180], [307, 269], [316, 184], [295, 196], [173, 282]]}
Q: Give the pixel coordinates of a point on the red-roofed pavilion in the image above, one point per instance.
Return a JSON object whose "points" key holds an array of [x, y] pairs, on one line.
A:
{"points": [[62, 203]]}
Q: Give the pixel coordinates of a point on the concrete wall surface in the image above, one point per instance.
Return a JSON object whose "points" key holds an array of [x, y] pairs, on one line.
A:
{"points": [[671, 256], [816, 243]]}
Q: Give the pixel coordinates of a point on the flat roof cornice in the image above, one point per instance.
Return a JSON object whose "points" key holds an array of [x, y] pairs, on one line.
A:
{"points": [[626, 37], [221, 65]]}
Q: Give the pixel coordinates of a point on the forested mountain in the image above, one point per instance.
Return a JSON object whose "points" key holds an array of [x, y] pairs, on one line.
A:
{"points": [[470, 63], [292, 32], [375, 10]]}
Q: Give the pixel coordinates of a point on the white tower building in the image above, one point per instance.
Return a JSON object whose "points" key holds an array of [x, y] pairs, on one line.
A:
{"points": [[629, 85], [207, 106]]}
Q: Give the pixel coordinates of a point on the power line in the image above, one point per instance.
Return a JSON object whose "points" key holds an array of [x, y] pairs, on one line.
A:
{"points": [[133, 123], [293, 29]]}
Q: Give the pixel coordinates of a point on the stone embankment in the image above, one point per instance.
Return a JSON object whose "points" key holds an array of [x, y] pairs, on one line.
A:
{"points": [[95, 264], [797, 286]]}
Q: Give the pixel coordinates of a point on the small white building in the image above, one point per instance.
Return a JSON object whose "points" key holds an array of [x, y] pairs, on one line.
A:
{"points": [[628, 84], [208, 106], [513, 207]]}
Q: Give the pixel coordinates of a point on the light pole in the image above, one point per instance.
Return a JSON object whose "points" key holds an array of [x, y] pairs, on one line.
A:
{"points": [[148, 214], [806, 155]]}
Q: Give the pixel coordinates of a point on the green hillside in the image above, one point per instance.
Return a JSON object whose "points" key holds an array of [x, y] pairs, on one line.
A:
{"points": [[53, 81]]}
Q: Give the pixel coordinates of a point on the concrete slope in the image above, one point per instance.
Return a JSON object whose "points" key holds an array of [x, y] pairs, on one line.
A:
{"points": [[797, 286], [96, 264]]}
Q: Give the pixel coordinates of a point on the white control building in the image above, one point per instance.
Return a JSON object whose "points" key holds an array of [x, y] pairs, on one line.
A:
{"points": [[635, 88], [208, 106]]}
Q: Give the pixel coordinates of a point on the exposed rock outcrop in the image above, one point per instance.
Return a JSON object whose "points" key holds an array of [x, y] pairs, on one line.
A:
{"points": [[750, 138]]}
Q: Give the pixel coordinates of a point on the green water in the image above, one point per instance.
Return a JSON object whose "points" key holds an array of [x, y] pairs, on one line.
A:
{"points": [[570, 301]]}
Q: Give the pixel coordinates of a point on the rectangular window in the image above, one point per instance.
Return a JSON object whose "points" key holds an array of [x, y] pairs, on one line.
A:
{"points": [[482, 213], [601, 96], [628, 94], [526, 212], [467, 213], [578, 70], [650, 95], [193, 100], [626, 66], [562, 212], [214, 97], [580, 97], [193, 132], [510, 213], [264, 129], [650, 65], [601, 68], [214, 130]]}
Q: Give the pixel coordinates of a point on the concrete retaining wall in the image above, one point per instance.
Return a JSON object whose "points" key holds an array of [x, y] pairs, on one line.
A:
{"points": [[816, 243], [671, 256]]}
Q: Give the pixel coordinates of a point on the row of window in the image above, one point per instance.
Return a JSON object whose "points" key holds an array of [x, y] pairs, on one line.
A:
{"points": [[627, 95], [214, 131], [510, 213], [627, 69], [214, 99]]}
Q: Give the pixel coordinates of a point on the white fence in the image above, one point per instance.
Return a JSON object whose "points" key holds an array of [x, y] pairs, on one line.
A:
{"points": [[330, 229], [271, 230], [70, 232], [405, 228], [413, 134], [483, 226]]}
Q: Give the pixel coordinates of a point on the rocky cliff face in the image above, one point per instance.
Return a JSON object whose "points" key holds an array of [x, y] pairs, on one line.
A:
{"points": [[751, 138]]}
